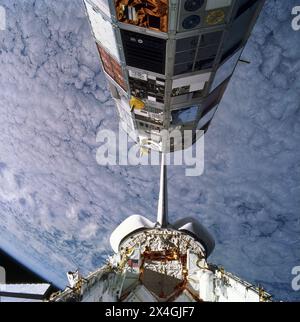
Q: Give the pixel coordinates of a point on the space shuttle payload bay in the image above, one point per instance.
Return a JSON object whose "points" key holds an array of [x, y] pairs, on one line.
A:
{"points": [[161, 262]]}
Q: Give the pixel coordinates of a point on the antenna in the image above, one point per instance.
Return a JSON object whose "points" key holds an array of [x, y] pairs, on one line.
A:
{"points": [[162, 211]]}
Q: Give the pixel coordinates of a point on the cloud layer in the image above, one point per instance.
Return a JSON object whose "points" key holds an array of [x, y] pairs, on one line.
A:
{"points": [[58, 207]]}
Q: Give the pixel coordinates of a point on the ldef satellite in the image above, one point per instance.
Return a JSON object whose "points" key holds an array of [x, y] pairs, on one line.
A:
{"points": [[168, 62]]}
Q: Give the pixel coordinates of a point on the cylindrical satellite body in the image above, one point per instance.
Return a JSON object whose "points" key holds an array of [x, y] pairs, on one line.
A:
{"points": [[168, 62]]}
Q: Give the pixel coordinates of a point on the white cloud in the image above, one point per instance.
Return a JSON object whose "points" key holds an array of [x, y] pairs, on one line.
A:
{"points": [[58, 207]]}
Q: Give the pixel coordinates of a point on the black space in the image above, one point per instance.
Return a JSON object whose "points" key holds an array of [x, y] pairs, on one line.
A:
{"points": [[17, 273]]}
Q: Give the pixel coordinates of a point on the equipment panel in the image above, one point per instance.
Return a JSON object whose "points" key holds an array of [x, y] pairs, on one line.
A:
{"points": [[189, 84], [112, 67], [103, 31], [147, 87], [195, 14], [185, 115], [197, 53], [144, 52], [152, 14]]}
